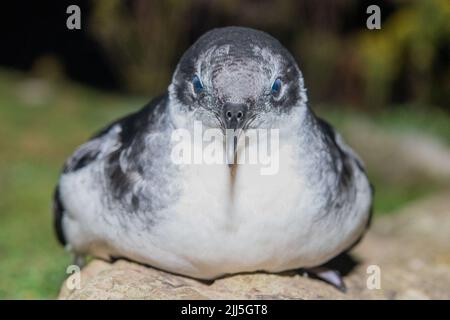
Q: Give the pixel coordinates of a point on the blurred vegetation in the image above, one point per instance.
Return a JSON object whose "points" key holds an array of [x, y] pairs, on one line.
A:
{"points": [[410, 55], [343, 61]]}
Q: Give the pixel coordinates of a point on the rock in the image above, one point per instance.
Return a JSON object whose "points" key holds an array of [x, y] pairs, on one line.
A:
{"points": [[411, 250]]}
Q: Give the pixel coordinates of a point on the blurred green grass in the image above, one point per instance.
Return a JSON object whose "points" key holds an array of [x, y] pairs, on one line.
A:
{"points": [[41, 123]]}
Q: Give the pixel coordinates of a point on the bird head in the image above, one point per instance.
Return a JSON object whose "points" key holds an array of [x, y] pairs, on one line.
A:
{"points": [[237, 78]]}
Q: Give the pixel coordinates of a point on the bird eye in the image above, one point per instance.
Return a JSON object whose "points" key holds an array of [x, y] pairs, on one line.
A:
{"points": [[276, 87], [197, 84]]}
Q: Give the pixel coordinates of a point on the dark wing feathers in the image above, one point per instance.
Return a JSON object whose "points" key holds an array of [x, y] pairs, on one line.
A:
{"points": [[102, 144], [346, 156], [58, 212]]}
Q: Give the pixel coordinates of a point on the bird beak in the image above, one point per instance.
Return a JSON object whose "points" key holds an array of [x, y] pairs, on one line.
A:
{"points": [[232, 137], [234, 116]]}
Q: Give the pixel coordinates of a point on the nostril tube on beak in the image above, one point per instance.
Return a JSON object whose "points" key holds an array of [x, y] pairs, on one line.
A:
{"points": [[234, 115]]}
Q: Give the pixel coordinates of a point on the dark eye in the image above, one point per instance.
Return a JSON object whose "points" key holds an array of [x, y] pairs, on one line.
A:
{"points": [[276, 87], [197, 84]]}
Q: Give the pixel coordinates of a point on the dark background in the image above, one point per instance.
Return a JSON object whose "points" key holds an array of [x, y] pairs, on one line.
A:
{"points": [[133, 46]]}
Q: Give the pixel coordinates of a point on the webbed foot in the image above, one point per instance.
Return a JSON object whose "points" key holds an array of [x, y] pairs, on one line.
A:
{"points": [[330, 276]]}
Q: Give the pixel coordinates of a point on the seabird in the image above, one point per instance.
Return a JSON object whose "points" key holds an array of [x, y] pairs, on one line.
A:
{"points": [[122, 195]]}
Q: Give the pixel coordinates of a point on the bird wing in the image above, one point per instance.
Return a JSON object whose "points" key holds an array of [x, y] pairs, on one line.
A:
{"points": [[347, 156], [110, 140]]}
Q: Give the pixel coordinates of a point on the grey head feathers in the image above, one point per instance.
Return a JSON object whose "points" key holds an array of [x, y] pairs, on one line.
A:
{"points": [[239, 66]]}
